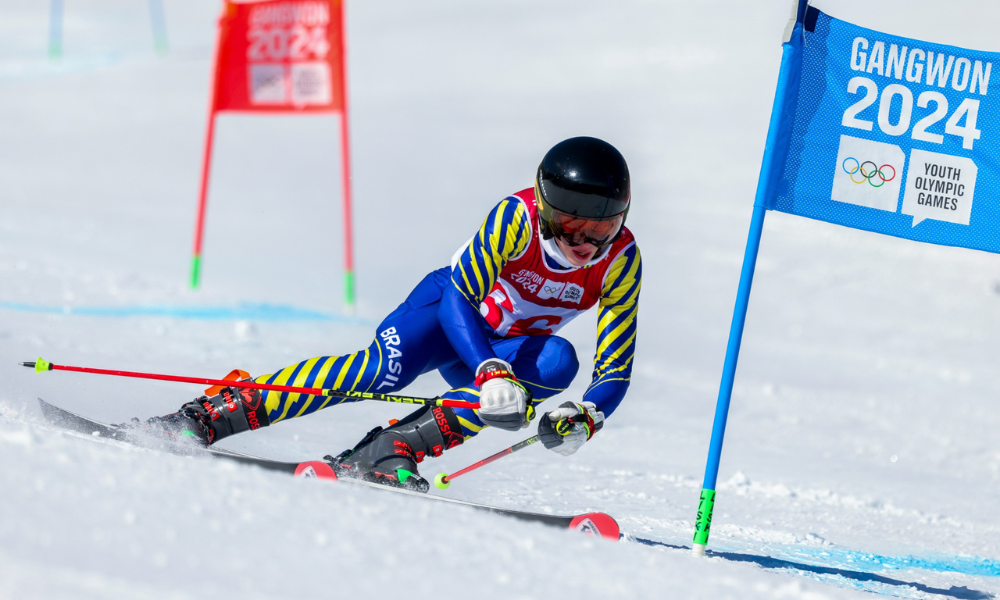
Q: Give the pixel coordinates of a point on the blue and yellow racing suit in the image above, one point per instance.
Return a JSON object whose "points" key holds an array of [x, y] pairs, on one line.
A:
{"points": [[504, 297]]}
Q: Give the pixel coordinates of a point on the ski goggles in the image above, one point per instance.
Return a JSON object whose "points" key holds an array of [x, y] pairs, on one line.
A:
{"points": [[574, 230]]}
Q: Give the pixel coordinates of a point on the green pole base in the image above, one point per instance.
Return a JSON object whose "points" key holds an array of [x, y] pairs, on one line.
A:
{"points": [[441, 481], [349, 292], [195, 271], [42, 365], [704, 523]]}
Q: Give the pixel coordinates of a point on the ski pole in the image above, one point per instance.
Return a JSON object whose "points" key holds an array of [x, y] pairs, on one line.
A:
{"points": [[42, 365], [443, 480]]}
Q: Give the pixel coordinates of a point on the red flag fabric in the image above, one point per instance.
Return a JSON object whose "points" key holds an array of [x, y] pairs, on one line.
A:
{"points": [[280, 56]]}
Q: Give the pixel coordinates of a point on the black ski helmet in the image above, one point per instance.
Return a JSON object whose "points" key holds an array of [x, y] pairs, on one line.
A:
{"points": [[584, 177]]}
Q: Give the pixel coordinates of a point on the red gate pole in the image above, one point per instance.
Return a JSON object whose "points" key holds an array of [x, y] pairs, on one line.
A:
{"points": [[206, 165], [345, 157], [202, 200]]}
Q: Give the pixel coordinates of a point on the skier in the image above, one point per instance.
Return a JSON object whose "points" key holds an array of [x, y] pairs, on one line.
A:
{"points": [[487, 323]]}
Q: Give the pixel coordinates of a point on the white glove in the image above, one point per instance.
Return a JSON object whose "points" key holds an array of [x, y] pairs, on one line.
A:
{"points": [[567, 428], [503, 402]]}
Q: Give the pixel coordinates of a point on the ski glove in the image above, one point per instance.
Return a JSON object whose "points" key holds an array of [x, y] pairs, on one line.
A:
{"points": [[567, 428], [503, 402]]}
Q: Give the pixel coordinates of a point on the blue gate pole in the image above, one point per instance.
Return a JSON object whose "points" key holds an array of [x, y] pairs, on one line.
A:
{"points": [[706, 503], [55, 28], [159, 23]]}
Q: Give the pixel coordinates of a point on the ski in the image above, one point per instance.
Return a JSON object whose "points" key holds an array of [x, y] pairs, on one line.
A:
{"points": [[594, 524]]}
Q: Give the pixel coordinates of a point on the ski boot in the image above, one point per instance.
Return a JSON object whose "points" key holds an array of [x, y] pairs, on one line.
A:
{"points": [[390, 456], [207, 420]]}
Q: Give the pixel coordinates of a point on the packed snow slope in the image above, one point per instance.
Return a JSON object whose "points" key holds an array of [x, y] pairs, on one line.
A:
{"points": [[862, 452]]}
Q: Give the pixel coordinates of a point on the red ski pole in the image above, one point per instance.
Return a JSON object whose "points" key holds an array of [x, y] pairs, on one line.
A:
{"points": [[42, 365], [443, 480]]}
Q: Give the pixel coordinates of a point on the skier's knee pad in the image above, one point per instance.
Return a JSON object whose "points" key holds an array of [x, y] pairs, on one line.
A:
{"points": [[554, 366], [231, 411], [563, 364]]}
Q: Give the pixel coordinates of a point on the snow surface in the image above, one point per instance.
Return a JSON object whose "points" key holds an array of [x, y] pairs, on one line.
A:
{"points": [[862, 452]]}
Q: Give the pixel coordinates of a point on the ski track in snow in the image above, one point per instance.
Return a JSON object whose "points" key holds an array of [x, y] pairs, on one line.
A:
{"points": [[861, 453], [113, 510], [810, 557]]}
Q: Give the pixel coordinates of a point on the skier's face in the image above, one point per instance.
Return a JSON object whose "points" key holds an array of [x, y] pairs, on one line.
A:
{"points": [[577, 255]]}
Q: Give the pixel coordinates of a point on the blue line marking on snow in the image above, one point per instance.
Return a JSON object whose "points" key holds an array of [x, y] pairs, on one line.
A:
{"points": [[861, 570], [839, 558], [968, 565], [244, 311]]}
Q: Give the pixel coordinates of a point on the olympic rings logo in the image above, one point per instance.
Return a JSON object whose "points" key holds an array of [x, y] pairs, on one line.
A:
{"points": [[868, 173]]}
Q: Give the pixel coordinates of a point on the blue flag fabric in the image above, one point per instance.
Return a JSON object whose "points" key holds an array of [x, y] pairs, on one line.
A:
{"points": [[890, 135]]}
